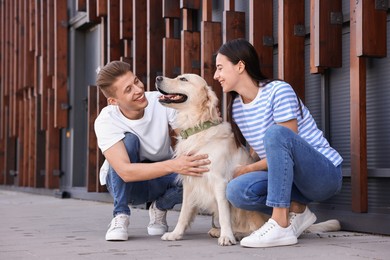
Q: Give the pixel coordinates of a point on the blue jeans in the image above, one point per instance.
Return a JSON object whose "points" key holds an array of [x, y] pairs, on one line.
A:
{"points": [[296, 172], [165, 190]]}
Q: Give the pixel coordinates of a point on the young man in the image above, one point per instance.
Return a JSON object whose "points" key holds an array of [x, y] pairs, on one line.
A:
{"points": [[133, 135]]}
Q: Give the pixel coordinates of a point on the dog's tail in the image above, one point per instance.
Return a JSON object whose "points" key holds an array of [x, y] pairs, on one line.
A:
{"points": [[326, 226]]}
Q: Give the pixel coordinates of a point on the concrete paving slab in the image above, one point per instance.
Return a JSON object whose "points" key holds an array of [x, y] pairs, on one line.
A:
{"points": [[43, 227]]}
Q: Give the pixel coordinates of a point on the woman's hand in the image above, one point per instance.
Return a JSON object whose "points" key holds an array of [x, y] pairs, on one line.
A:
{"points": [[191, 165], [256, 166], [240, 170]]}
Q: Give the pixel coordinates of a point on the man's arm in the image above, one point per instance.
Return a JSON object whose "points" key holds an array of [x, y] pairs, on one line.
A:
{"points": [[118, 159]]}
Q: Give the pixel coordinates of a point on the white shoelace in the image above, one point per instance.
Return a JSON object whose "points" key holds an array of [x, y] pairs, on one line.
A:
{"points": [[119, 222], [263, 230]]}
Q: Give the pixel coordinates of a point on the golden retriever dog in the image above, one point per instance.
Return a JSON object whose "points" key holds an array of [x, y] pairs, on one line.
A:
{"points": [[204, 132]]}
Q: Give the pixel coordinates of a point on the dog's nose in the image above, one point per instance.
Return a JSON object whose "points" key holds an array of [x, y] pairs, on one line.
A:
{"points": [[159, 78]]}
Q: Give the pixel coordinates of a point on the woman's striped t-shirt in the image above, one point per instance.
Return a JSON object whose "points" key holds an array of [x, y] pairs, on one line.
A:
{"points": [[277, 102]]}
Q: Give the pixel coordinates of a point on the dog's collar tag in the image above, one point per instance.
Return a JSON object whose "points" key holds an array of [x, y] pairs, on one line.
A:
{"points": [[191, 131]]}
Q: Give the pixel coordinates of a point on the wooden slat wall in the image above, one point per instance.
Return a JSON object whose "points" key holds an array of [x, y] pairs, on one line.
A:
{"points": [[33, 91], [33, 65], [325, 31], [291, 44]]}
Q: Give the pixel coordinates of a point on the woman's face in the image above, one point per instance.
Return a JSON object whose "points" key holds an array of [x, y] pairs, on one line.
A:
{"points": [[226, 73]]}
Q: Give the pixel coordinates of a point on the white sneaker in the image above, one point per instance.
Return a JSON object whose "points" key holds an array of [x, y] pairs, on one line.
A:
{"points": [[158, 221], [269, 235], [117, 229], [300, 222]]}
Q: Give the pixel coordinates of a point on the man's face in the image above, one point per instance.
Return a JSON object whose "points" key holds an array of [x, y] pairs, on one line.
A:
{"points": [[129, 96]]}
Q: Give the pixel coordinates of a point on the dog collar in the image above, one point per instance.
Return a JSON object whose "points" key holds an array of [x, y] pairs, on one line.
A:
{"points": [[191, 131]]}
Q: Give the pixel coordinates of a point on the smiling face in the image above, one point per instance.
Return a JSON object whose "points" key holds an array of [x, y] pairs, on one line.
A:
{"points": [[129, 96], [227, 73]]}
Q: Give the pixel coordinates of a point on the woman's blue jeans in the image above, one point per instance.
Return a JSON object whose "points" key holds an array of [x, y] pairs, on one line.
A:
{"points": [[296, 172], [165, 190]]}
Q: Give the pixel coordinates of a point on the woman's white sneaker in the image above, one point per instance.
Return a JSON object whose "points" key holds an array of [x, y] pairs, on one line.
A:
{"points": [[301, 221], [117, 229], [270, 235]]}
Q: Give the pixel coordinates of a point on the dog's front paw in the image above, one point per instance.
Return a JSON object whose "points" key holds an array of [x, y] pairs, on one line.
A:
{"points": [[226, 241], [214, 232], [171, 236]]}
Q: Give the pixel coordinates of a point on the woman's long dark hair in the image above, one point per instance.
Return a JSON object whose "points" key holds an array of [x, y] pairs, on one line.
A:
{"points": [[241, 50]]}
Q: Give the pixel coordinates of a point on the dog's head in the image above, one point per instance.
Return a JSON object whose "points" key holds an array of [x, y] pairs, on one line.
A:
{"points": [[189, 94]]}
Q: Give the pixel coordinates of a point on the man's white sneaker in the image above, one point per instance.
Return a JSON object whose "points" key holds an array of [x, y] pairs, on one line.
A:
{"points": [[301, 221], [158, 221], [269, 235], [117, 229]]}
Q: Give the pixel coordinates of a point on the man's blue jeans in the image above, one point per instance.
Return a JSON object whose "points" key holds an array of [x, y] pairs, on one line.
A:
{"points": [[164, 190], [296, 172]]}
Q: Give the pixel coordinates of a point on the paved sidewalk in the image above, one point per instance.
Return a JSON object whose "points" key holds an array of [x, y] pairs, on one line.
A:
{"points": [[43, 227]]}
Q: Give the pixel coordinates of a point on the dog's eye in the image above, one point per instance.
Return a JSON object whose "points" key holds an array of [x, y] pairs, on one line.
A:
{"points": [[183, 79]]}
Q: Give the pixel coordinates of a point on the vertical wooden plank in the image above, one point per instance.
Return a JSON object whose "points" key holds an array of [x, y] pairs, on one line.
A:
{"points": [[371, 24], [358, 116], [261, 33], [92, 11], [30, 6], [171, 9], [103, 40], [60, 64], [52, 153], [23, 179], [171, 57], [32, 139], [190, 52], [113, 39], [234, 25], [325, 31], [45, 79], [15, 69], [50, 37], [126, 19], [92, 147], [30, 46], [291, 44], [155, 35], [2, 81], [139, 40], [101, 8]]}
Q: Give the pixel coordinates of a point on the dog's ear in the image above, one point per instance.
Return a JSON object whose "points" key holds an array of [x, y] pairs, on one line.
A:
{"points": [[212, 103]]}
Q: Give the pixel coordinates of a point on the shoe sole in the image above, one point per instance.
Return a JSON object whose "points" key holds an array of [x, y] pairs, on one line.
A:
{"points": [[286, 242], [154, 232], [117, 238], [310, 221]]}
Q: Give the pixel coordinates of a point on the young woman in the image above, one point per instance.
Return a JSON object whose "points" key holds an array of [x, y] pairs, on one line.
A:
{"points": [[296, 163]]}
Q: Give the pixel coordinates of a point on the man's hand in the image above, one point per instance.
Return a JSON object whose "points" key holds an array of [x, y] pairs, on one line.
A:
{"points": [[191, 165]]}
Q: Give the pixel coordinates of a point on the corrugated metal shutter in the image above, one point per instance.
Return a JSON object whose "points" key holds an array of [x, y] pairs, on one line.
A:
{"points": [[339, 102], [312, 88], [378, 111]]}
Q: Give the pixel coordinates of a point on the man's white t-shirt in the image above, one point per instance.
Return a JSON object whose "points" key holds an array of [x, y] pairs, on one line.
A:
{"points": [[152, 130]]}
